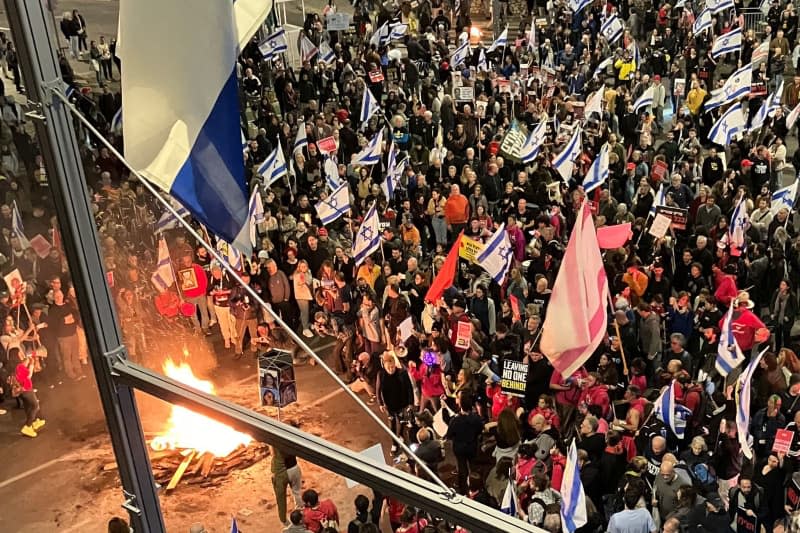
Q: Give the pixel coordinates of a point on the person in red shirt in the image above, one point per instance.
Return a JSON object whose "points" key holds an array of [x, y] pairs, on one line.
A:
{"points": [[318, 513], [725, 282], [748, 329], [23, 374], [456, 210], [568, 393], [546, 408], [193, 283], [636, 407], [595, 393], [500, 400]]}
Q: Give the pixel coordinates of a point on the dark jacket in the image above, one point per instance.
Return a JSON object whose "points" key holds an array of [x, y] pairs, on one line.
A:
{"points": [[464, 430]]}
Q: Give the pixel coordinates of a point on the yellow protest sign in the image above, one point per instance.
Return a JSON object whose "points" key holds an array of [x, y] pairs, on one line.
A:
{"points": [[470, 250]]}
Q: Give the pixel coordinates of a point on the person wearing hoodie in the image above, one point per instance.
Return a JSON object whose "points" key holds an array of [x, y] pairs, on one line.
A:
{"points": [[708, 515], [595, 393]]}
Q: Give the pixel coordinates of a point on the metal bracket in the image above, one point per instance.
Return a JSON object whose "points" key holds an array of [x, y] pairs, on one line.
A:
{"points": [[117, 355], [130, 503]]}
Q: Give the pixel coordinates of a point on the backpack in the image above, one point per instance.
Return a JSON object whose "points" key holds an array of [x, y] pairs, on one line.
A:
{"points": [[703, 475]]}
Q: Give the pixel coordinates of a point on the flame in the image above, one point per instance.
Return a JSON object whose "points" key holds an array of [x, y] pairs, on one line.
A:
{"points": [[187, 429]]}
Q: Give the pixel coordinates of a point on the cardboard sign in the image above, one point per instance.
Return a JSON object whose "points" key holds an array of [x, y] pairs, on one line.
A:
{"points": [[464, 93], [376, 76], [514, 377], [327, 145], [470, 250], [338, 21], [659, 226], [41, 246], [678, 216], [783, 441], [463, 335], [744, 522], [659, 171], [480, 108], [17, 287], [679, 86]]}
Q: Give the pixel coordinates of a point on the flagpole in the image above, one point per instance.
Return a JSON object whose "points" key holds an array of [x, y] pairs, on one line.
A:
{"points": [[619, 336]]}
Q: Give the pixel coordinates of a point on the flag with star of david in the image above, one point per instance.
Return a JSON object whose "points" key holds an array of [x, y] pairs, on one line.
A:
{"points": [[728, 43], [497, 254], [736, 86], [728, 126], [334, 206], [273, 45], [368, 237]]}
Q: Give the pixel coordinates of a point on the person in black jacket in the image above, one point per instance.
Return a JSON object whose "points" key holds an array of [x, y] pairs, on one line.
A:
{"points": [[464, 430], [748, 496], [394, 392]]}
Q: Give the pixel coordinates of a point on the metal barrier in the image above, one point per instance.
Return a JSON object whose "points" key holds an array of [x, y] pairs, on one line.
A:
{"points": [[754, 19]]}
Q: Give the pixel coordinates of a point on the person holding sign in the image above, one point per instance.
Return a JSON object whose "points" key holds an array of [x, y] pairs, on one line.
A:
{"points": [[746, 505], [770, 474]]}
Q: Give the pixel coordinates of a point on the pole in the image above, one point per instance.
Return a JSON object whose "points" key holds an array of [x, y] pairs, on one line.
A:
{"points": [[31, 26]]}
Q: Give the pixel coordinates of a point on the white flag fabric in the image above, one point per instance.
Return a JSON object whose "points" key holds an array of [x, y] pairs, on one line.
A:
{"points": [[509, 505], [371, 153], [18, 228], [301, 140], [715, 6], [598, 172], [274, 45], [274, 167], [736, 238], [644, 101], [784, 197], [743, 405], [673, 415], [730, 124], [255, 214], [573, 497], [791, 118], [736, 86], [729, 355], [307, 49], [497, 255], [533, 143], [727, 43], [334, 206], [612, 28], [460, 54], [369, 105], [564, 162], [163, 277], [326, 54], [659, 200], [767, 109], [578, 5], [702, 22], [501, 41], [368, 238], [594, 104]]}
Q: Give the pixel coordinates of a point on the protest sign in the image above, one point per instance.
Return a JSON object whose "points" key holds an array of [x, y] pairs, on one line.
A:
{"points": [[678, 216], [783, 441], [463, 335], [470, 249], [659, 226], [514, 377]]}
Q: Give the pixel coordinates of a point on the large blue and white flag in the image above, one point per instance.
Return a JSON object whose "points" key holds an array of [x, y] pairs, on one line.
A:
{"points": [[743, 405], [578, 5], [116, 122], [369, 106], [767, 109], [335, 205], [381, 35], [730, 124], [368, 237], [301, 140], [728, 43], [273, 45], [598, 172], [659, 200], [509, 505], [702, 22], [181, 108], [393, 171], [255, 213], [533, 143], [715, 6], [564, 162], [163, 277], [673, 415], [604, 64], [573, 498], [736, 86], [736, 238], [274, 166], [644, 101], [398, 31], [331, 170], [612, 28], [371, 153], [168, 220], [17, 228], [497, 255], [729, 355], [501, 41], [326, 54], [460, 54], [784, 197]]}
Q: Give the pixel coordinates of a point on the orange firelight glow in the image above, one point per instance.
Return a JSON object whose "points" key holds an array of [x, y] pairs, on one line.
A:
{"points": [[187, 429]]}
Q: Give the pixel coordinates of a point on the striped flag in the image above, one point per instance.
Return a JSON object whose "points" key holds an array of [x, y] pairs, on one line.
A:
{"points": [[168, 220], [533, 143], [234, 526], [760, 54], [784, 197], [301, 140], [604, 64], [644, 101], [392, 172], [368, 237], [791, 118], [163, 277], [743, 405], [369, 106], [230, 254], [334, 206], [532, 35], [398, 31], [460, 54], [728, 43], [18, 228], [273, 167], [578, 5], [767, 109], [331, 174], [612, 28], [736, 86], [703, 22], [255, 213], [736, 237], [116, 122], [371, 153], [573, 498], [509, 505], [715, 6], [577, 303], [381, 34], [564, 162], [729, 355], [307, 49], [598, 172], [730, 124], [673, 415], [326, 54], [273, 45], [659, 200], [483, 64], [501, 41], [497, 255]]}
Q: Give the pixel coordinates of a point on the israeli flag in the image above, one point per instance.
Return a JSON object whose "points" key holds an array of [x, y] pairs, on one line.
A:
{"points": [[736, 86], [398, 31], [497, 255], [501, 41], [163, 277], [307, 49], [381, 34], [784, 197], [729, 355], [728, 125], [273, 45], [509, 504], [737, 232], [612, 28], [703, 22], [255, 213], [791, 118], [234, 526], [573, 498], [598, 172], [460, 55], [391, 172], [274, 166], [371, 153], [326, 54], [644, 101], [637, 58], [181, 108], [715, 6], [532, 35], [301, 140], [244, 142], [673, 415], [331, 174], [743, 405], [658, 201], [483, 65], [604, 64], [767, 109], [168, 220], [18, 228], [578, 5], [369, 106], [116, 122], [533, 144], [564, 162], [230, 254], [728, 43], [368, 237], [334, 206]]}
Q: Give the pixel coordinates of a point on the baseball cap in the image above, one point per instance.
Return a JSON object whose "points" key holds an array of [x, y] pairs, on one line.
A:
{"points": [[747, 163], [630, 166], [322, 232]]}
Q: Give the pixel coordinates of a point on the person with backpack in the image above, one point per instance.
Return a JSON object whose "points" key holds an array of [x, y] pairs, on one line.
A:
{"points": [[698, 462], [362, 514]]}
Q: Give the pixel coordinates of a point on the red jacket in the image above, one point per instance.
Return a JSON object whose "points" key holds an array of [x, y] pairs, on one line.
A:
{"points": [[726, 289], [596, 395], [500, 400], [324, 511], [430, 382], [193, 287]]}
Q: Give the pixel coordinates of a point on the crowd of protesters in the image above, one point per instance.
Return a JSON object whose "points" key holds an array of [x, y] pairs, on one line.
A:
{"points": [[670, 294]]}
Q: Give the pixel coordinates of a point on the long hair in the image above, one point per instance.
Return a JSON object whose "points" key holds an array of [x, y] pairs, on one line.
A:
{"points": [[508, 426]]}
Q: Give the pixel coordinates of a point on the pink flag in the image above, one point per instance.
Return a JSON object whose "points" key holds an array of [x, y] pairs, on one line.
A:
{"points": [[576, 316], [614, 236]]}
